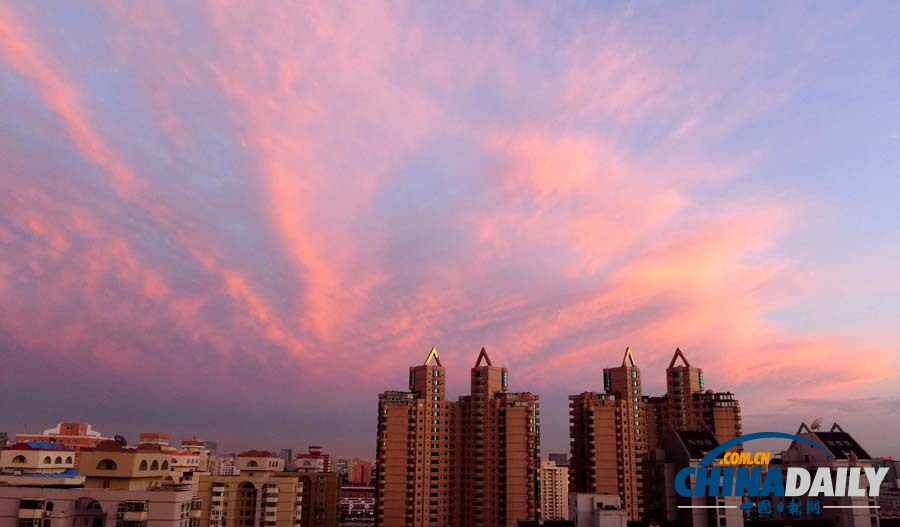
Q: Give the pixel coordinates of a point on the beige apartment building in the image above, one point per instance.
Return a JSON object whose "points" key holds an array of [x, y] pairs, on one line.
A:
{"points": [[473, 462], [110, 465], [554, 491], [613, 431], [260, 494], [120, 486], [163, 506]]}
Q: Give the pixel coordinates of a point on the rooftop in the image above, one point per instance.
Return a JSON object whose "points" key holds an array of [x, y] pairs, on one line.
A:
{"points": [[38, 445]]}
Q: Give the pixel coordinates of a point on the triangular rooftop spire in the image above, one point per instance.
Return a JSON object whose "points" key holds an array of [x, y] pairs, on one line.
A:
{"points": [[628, 359], [433, 355], [483, 356], [803, 429], [678, 353]]}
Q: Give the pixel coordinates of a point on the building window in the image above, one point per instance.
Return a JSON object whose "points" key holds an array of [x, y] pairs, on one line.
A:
{"points": [[143, 465], [47, 460], [154, 465], [107, 464]]}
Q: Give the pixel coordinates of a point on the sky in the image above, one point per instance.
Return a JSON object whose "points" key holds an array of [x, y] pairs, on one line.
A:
{"points": [[245, 220]]}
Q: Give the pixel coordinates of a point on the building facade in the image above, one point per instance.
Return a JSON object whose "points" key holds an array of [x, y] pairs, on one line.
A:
{"points": [[663, 506], [76, 436], [473, 462], [314, 460], [611, 432], [357, 506], [554, 491]]}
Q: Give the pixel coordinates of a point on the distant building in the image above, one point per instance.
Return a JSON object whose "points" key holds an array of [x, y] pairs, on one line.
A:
{"points": [[560, 458], [199, 448], [154, 438], [597, 510], [314, 460], [361, 474], [225, 465], [251, 461], [554, 491], [892, 480], [70, 435], [287, 454], [613, 431], [357, 506], [4, 438], [541, 523]]}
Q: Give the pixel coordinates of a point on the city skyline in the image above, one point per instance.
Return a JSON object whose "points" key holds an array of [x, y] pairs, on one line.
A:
{"points": [[245, 223]]}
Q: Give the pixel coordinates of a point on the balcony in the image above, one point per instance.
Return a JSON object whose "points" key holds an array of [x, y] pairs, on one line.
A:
{"points": [[135, 516]]}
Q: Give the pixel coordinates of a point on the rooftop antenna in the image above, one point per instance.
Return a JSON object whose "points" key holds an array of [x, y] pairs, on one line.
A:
{"points": [[817, 424]]}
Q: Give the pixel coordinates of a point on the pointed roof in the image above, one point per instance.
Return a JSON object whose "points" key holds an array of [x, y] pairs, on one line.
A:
{"points": [[678, 353], [628, 359], [433, 355], [483, 356]]}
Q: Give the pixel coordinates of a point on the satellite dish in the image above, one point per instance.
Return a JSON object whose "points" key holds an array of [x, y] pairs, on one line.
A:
{"points": [[817, 424], [121, 440]]}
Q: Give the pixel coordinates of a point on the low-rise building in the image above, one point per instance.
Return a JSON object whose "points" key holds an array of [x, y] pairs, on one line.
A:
{"points": [[163, 506], [357, 506], [596, 510], [75, 436], [38, 463], [110, 465]]}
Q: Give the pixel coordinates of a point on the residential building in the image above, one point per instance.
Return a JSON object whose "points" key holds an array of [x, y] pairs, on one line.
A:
{"points": [[50, 506], [261, 498], [845, 453], [413, 451], [70, 435], [199, 448], [361, 473], [37, 463], [560, 458], [314, 460], [357, 506], [287, 454], [663, 506], [554, 491], [473, 462], [110, 465], [612, 431], [320, 498]]}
